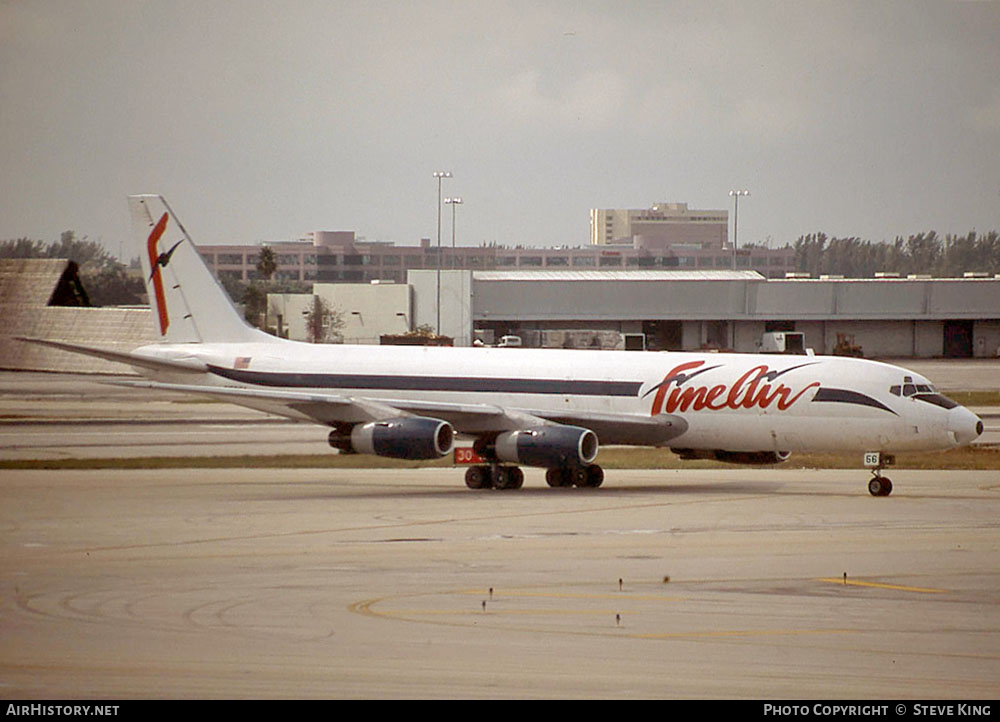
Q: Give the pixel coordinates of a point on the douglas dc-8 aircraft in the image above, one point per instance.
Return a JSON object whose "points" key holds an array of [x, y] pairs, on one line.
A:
{"points": [[534, 407]]}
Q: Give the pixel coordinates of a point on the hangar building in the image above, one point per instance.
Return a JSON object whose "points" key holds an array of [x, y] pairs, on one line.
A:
{"points": [[690, 310]]}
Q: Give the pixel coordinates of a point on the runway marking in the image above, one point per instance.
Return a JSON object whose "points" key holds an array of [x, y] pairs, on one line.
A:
{"points": [[493, 611], [414, 615], [743, 633], [879, 585], [501, 594]]}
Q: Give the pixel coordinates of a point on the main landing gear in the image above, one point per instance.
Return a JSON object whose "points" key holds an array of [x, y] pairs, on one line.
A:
{"points": [[496, 476], [879, 485], [589, 477]]}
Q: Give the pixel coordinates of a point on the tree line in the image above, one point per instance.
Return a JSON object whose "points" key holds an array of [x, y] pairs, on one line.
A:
{"points": [[105, 278], [923, 253]]}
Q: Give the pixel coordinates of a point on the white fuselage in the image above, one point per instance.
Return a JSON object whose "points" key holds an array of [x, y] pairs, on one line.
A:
{"points": [[737, 402]]}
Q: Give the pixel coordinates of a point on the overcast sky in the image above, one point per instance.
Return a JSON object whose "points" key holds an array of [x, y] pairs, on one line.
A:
{"points": [[266, 119]]}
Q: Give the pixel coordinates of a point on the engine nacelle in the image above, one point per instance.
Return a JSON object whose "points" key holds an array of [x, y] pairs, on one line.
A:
{"points": [[747, 458], [548, 446], [412, 437]]}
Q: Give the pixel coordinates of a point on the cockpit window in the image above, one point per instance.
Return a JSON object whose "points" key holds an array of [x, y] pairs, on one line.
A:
{"points": [[937, 399], [921, 392]]}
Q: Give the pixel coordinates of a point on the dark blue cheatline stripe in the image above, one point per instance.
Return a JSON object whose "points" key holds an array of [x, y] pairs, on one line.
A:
{"points": [[374, 382], [843, 396]]}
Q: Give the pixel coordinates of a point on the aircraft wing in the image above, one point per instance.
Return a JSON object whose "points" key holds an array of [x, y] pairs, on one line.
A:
{"points": [[319, 408], [470, 419], [330, 409], [610, 428], [630, 429]]}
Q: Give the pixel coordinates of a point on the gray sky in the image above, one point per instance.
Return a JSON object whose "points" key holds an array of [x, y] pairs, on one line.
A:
{"points": [[267, 119]]}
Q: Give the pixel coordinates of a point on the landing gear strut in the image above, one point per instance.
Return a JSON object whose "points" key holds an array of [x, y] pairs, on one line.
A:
{"points": [[879, 485]]}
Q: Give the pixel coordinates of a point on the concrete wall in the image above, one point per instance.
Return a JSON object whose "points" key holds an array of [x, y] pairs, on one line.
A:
{"points": [[565, 300], [986, 340], [881, 299], [928, 339], [877, 338], [116, 329], [286, 314], [456, 303], [368, 310]]}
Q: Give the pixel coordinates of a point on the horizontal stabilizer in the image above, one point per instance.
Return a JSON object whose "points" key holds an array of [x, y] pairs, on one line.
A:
{"points": [[132, 359]]}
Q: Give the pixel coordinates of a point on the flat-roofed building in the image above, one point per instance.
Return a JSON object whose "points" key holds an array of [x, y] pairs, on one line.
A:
{"points": [[685, 310], [659, 228], [670, 238]]}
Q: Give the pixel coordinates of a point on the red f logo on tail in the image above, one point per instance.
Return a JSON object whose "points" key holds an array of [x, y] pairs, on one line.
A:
{"points": [[154, 257]]}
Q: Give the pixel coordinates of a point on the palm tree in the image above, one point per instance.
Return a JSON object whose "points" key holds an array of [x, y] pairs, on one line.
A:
{"points": [[267, 263]]}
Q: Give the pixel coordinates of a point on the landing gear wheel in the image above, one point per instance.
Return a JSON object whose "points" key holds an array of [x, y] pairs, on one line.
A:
{"points": [[518, 478], [589, 477], [880, 486], [876, 461], [557, 477], [508, 477], [595, 476], [579, 476], [477, 477]]}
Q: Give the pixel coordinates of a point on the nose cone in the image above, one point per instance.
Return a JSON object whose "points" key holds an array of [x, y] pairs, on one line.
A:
{"points": [[964, 425]]}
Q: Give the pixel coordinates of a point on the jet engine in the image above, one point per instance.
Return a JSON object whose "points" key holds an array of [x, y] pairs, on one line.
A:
{"points": [[548, 446], [748, 458], [412, 437]]}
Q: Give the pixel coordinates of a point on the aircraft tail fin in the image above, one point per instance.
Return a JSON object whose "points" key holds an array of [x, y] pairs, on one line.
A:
{"points": [[189, 305]]}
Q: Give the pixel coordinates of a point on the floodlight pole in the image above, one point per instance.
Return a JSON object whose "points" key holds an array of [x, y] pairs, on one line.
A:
{"points": [[439, 174], [736, 219], [453, 202]]}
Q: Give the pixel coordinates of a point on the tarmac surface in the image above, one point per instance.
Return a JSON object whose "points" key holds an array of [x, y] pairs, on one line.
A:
{"points": [[743, 583]]}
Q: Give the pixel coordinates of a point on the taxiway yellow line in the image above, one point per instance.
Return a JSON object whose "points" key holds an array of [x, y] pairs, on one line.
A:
{"points": [[495, 612], [879, 585]]}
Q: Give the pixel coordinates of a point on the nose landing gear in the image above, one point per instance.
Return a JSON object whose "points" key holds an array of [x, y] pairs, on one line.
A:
{"points": [[876, 461], [880, 486]]}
